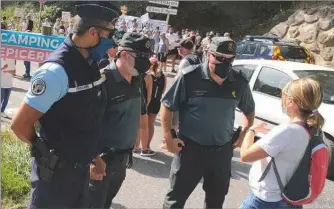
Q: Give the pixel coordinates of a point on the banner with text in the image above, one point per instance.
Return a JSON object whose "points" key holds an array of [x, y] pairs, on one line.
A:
{"points": [[33, 47]]}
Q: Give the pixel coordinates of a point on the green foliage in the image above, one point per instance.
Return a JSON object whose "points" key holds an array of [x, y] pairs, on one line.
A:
{"points": [[15, 171], [50, 12]]}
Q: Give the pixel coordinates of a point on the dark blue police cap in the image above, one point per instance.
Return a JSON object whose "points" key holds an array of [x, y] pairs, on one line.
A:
{"points": [[94, 11]]}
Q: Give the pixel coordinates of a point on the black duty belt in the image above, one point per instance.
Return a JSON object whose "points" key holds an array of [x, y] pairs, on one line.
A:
{"points": [[110, 153], [196, 145]]}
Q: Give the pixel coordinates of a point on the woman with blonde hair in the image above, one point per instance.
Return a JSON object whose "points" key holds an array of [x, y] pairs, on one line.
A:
{"points": [[286, 143]]}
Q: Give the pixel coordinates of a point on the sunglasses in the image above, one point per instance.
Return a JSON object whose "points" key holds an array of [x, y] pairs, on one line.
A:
{"points": [[139, 55]]}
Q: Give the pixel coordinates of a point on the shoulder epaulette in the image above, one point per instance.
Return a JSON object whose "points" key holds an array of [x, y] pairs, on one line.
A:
{"points": [[189, 69], [241, 74]]}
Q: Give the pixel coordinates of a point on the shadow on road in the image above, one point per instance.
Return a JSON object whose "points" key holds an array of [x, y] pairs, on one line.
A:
{"points": [[117, 206], [157, 167], [240, 170], [18, 89]]}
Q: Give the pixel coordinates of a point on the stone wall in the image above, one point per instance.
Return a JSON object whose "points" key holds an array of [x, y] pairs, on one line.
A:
{"points": [[312, 28]]}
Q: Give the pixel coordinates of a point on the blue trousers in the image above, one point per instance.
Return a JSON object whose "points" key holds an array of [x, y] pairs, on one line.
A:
{"points": [[252, 202], [68, 188], [5, 93], [27, 64]]}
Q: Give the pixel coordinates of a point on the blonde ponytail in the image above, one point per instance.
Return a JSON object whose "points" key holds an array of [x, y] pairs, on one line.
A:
{"points": [[315, 120]]}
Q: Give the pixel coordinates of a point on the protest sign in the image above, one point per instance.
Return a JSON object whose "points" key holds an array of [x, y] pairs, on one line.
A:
{"points": [[128, 22], [66, 16], [153, 24], [33, 47]]}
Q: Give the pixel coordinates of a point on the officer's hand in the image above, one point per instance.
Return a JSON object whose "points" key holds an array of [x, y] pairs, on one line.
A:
{"points": [[174, 145], [94, 175], [241, 137], [98, 169]]}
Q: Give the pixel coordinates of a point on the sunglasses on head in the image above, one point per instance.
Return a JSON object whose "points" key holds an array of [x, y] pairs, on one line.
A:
{"points": [[223, 57]]}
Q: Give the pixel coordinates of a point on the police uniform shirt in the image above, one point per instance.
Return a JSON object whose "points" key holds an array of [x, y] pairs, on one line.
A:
{"points": [[206, 109], [48, 85], [121, 120]]}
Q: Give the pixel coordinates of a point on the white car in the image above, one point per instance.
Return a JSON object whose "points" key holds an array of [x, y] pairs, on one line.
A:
{"points": [[267, 78]]}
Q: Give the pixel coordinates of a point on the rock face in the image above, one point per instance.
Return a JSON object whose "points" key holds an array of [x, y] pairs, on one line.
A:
{"points": [[313, 29]]}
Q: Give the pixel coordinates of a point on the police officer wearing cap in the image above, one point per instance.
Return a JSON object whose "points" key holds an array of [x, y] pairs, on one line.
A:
{"points": [[67, 101], [206, 97], [121, 120]]}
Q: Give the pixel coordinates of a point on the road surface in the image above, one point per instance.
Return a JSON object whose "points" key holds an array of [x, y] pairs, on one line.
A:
{"points": [[147, 182]]}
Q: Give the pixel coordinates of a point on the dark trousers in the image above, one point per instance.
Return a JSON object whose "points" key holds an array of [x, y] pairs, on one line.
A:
{"points": [[68, 188], [5, 93], [193, 163], [27, 64], [101, 193]]}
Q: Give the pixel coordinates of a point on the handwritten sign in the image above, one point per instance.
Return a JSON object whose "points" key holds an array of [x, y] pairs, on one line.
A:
{"points": [[19, 12], [66, 16], [33, 47], [128, 20]]}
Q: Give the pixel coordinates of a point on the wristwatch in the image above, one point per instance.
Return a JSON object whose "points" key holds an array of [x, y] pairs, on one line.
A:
{"points": [[252, 130]]}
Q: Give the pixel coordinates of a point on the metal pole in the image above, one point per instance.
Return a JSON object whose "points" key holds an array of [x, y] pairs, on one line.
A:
{"points": [[40, 14], [167, 19]]}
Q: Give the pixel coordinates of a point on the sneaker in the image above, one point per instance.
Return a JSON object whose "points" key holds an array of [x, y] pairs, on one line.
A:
{"points": [[26, 76], [137, 151], [147, 153]]}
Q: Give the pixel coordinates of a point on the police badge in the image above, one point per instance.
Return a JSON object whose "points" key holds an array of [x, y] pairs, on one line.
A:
{"points": [[38, 87]]}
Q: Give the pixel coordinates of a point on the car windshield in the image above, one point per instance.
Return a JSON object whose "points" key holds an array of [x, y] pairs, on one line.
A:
{"points": [[326, 78], [292, 52]]}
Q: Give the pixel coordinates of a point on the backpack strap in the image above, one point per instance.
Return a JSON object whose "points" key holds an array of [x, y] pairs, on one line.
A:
{"points": [[272, 163]]}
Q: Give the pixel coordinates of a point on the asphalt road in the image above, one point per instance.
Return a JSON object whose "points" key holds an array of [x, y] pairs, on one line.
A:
{"points": [[147, 182]]}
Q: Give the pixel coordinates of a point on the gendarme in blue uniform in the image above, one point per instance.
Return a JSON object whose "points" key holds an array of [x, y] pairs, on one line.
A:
{"points": [[68, 90], [201, 102]]}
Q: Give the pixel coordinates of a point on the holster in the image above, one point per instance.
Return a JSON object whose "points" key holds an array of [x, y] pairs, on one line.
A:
{"points": [[109, 155], [46, 159]]}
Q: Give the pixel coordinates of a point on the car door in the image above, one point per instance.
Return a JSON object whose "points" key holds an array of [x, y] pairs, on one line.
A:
{"points": [[248, 70], [267, 95], [249, 51]]}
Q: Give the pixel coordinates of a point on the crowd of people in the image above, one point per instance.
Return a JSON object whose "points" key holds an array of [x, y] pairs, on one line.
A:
{"points": [[96, 98]]}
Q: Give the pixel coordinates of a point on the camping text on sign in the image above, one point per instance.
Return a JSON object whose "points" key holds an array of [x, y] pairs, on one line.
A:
{"points": [[166, 3], [33, 47], [161, 10]]}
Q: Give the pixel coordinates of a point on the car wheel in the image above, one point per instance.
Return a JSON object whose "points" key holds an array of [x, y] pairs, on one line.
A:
{"points": [[330, 145]]}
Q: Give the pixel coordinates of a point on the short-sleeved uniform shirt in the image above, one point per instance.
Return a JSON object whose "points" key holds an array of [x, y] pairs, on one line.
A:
{"points": [[206, 109], [122, 116]]}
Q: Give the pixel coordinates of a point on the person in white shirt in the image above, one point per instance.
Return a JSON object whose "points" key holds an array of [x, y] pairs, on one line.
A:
{"points": [[286, 143], [172, 39], [7, 69]]}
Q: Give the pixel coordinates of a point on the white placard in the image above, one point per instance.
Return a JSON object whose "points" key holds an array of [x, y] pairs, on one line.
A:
{"points": [[129, 22], [153, 24], [144, 18], [166, 3], [66, 16], [19, 12], [161, 10]]}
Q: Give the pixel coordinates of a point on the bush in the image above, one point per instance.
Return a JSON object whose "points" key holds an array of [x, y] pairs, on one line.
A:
{"points": [[15, 170]]}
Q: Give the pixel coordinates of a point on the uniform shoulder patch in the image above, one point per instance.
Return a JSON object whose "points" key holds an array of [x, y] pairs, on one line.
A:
{"points": [[38, 86]]}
